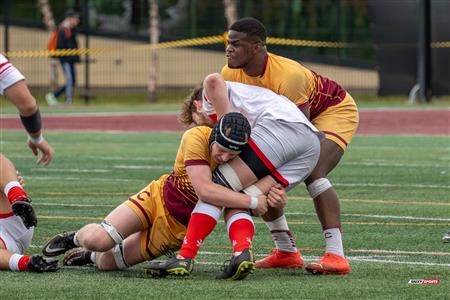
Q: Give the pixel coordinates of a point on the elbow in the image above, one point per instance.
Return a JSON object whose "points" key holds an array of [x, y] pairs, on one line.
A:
{"points": [[213, 80]]}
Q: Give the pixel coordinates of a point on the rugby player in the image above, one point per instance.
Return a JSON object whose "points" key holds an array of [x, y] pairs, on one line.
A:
{"points": [[329, 107], [17, 216], [153, 221], [284, 149]]}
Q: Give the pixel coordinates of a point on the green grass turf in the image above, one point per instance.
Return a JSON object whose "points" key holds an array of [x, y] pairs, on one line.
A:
{"points": [[395, 196]]}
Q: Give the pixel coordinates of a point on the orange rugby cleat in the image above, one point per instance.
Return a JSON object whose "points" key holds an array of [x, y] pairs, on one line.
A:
{"points": [[281, 259], [329, 264]]}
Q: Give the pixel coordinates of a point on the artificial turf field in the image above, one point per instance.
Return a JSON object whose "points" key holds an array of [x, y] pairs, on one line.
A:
{"points": [[395, 207], [395, 204]]}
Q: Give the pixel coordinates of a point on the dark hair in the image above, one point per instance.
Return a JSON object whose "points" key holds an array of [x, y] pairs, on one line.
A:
{"points": [[70, 12], [232, 132], [252, 27]]}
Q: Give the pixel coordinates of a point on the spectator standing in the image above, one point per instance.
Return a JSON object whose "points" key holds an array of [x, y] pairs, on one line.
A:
{"points": [[66, 40]]}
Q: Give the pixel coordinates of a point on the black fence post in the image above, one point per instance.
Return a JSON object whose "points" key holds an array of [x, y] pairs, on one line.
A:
{"points": [[87, 92], [6, 5], [424, 51]]}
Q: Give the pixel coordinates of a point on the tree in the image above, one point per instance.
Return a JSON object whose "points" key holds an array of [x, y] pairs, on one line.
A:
{"points": [[154, 40], [49, 21], [230, 11]]}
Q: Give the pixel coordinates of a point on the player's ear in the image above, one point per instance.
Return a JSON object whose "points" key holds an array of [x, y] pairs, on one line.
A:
{"points": [[198, 105]]}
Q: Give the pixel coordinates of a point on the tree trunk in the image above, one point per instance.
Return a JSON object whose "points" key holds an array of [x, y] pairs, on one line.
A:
{"points": [[154, 39], [230, 11], [49, 22]]}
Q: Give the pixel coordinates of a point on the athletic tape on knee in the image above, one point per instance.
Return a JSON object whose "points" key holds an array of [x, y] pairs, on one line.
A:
{"points": [[252, 190], [238, 216], [208, 209], [112, 231], [318, 186], [231, 177], [119, 257]]}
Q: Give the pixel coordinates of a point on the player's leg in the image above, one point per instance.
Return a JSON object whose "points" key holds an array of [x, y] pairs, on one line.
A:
{"points": [[292, 168], [339, 124], [14, 239], [122, 256], [130, 217], [118, 225], [17, 199]]}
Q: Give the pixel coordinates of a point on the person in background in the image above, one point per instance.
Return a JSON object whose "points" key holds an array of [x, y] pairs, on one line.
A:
{"points": [[66, 40]]}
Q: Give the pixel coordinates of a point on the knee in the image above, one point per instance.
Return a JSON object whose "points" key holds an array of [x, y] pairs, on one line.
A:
{"points": [[97, 240], [105, 261], [318, 186]]}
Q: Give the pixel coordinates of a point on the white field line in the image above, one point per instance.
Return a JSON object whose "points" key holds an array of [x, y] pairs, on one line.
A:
{"points": [[379, 185], [368, 259], [287, 213], [390, 164], [71, 170], [64, 178], [142, 167], [376, 216]]}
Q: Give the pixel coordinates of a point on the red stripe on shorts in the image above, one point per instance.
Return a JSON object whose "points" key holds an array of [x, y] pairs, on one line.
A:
{"points": [[267, 163], [335, 135]]}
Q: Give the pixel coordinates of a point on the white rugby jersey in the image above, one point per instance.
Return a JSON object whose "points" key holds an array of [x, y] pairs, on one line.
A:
{"points": [[8, 74], [256, 103]]}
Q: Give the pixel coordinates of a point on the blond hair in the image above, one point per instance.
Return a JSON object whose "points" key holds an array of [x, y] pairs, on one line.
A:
{"points": [[188, 107]]}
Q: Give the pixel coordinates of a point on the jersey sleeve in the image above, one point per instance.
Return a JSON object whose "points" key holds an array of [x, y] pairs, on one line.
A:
{"points": [[9, 75], [296, 88], [195, 146]]}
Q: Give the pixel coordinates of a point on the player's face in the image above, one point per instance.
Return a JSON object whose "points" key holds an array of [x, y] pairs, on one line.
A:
{"points": [[220, 155], [240, 50]]}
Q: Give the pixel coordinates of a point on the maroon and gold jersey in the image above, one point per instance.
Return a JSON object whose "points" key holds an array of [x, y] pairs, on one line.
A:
{"points": [[179, 195], [294, 81]]}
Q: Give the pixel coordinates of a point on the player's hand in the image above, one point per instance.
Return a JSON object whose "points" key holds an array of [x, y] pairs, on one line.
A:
{"points": [[46, 152], [20, 178], [261, 209], [277, 196]]}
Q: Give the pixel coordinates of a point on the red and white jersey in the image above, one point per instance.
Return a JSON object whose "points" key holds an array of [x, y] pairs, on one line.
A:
{"points": [[257, 103], [8, 74]]}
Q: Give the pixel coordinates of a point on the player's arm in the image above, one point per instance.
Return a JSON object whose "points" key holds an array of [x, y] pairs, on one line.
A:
{"points": [[215, 194], [20, 96], [216, 93]]}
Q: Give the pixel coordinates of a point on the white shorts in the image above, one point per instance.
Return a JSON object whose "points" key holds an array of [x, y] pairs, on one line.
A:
{"points": [[15, 235], [289, 150], [9, 75]]}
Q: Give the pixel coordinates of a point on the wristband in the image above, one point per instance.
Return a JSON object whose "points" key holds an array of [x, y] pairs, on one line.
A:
{"points": [[32, 123], [253, 202], [36, 141]]}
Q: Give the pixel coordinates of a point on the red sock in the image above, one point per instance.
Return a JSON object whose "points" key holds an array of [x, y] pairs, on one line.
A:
{"points": [[200, 226], [16, 193], [241, 234], [23, 263]]}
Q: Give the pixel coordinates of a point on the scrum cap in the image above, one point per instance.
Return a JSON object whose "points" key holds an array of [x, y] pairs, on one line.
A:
{"points": [[232, 132]]}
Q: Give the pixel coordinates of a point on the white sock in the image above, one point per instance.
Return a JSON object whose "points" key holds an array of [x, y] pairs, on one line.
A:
{"points": [[281, 235], [333, 240], [75, 239], [14, 262], [93, 257]]}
